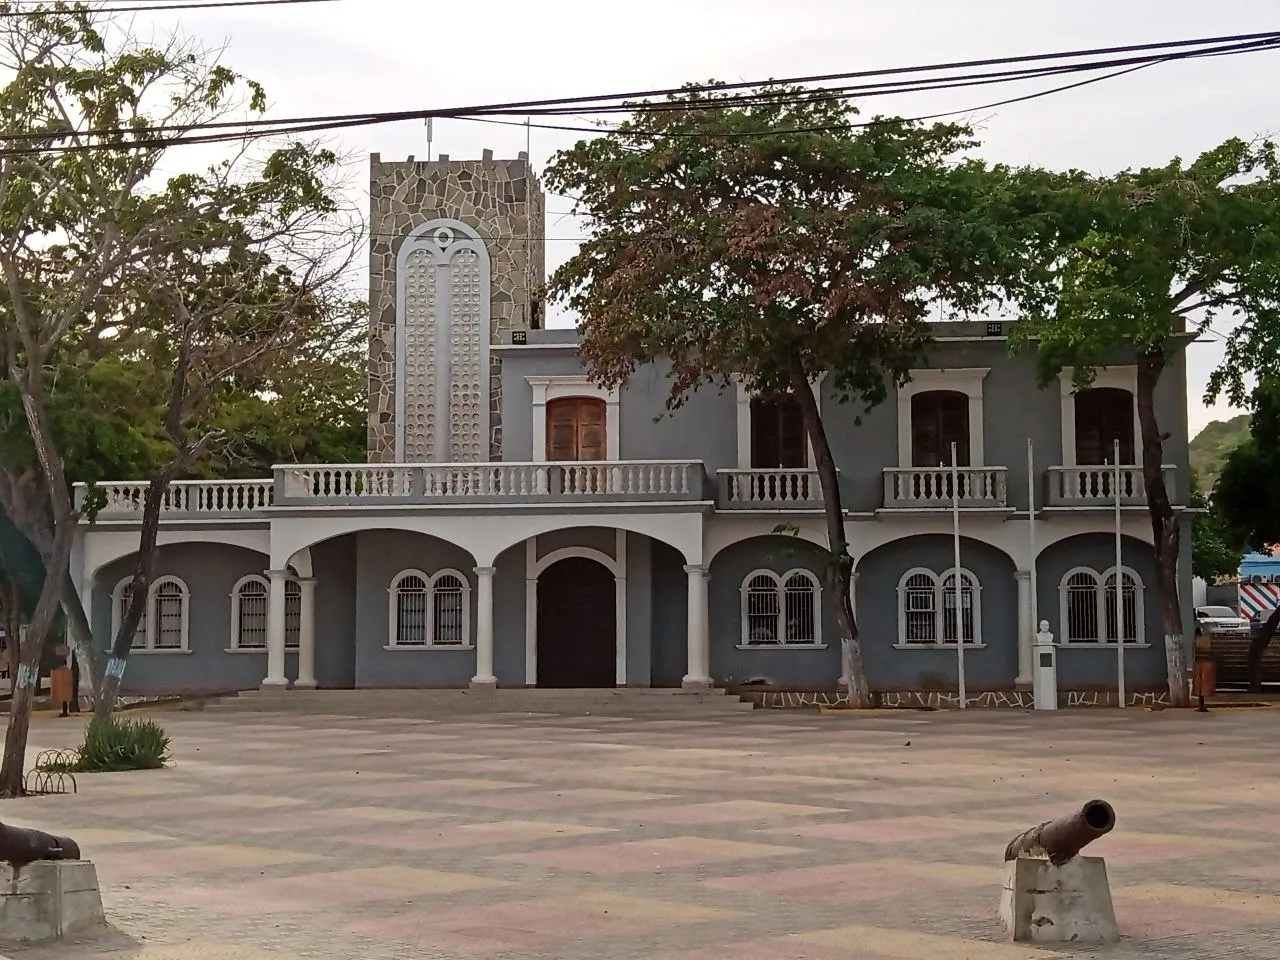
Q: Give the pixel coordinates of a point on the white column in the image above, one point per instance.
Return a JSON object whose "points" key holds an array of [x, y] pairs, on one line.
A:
{"points": [[275, 678], [620, 630], [484, 629], [1026, 629], [306, 635], [699, 675], [531, 632]]}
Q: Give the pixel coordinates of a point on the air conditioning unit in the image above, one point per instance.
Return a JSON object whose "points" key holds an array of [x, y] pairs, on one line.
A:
{"points": [[1256, 578]]}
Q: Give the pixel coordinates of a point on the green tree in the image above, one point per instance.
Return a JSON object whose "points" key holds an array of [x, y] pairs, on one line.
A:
{"points": [[1163, 251], [1246, 493], [1216, 546], [207, 278], [775, 240]]}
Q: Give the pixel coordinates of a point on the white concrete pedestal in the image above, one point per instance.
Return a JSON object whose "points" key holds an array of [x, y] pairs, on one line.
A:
{"points": [[1042, 903], [49, 900]]}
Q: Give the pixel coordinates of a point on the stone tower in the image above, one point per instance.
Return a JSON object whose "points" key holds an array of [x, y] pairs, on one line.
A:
{"points": [[456, 259]]}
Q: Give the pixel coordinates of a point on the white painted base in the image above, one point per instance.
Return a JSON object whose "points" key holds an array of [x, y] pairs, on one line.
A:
{"points": [[273, 686], [303, 686], [1042, 903], [49, 901], [484, 683], [695, 685]]}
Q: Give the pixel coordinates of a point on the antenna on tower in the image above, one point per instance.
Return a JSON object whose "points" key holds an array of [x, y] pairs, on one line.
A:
{"points": [[429, 138]]}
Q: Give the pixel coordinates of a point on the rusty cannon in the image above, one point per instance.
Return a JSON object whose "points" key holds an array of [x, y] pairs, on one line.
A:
{"points": [[1060, 840], [22, 845]]}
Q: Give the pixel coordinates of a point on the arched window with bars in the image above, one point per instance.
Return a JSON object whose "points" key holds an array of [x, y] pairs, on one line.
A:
{"points": [[781, 610], [930, 613], [430, 611], [1088, 609], [165, 624]]}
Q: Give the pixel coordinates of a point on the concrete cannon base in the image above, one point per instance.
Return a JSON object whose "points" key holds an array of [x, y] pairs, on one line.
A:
{"points": [[1042, 903], [49, 900]]}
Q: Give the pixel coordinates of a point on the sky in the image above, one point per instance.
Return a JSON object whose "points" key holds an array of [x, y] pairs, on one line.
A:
{"points": [[350, 56]]}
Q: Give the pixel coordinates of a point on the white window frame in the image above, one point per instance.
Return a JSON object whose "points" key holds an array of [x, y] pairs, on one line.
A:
{"points": [[779, 582], [563, 387], [940, 594], [293, 591], [744, 396], [393, 604], [150, 645], [1121, 378], [1100, 598], [966, 380]]}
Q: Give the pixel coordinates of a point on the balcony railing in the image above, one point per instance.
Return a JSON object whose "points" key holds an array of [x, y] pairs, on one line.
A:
{"points": [[916, 488], [1096, 486], [582, 482], [188, 498], [769, 490]]}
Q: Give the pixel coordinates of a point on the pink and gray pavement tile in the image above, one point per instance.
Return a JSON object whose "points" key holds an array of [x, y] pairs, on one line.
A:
{"points": [[755, 836]]}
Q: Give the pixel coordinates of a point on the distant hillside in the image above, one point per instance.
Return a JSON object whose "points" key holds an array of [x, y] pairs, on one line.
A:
{"points": [[1211, 445]]}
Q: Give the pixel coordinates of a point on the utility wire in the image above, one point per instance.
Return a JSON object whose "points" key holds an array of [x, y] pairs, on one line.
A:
{"points": [[140, 8], [238, 130], [1241, 42]]}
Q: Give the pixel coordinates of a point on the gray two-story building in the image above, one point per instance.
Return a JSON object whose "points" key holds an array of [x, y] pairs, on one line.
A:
{"points": [[518, 525]]}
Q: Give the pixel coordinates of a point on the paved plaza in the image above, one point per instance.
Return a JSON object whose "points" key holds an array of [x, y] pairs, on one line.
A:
{"points": [[689, 836]]}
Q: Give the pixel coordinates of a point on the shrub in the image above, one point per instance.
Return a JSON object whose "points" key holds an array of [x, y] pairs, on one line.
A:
{"points": [[123, 745]]}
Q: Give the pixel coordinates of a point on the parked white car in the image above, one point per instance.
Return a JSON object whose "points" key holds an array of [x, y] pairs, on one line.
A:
{"points": [[1221, 620]]}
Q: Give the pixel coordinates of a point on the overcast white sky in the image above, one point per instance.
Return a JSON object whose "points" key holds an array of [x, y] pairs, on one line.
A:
{"points": [[360, 55]]}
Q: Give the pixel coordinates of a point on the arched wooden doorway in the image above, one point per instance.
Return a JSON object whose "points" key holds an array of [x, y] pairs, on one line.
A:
{"points": [[577, 626]]}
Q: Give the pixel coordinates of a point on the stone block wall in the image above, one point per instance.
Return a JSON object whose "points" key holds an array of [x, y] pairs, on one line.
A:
{"points": [[503, 201]]}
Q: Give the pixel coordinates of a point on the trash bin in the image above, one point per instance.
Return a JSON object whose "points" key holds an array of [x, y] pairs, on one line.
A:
{"points": [[61, 683]]}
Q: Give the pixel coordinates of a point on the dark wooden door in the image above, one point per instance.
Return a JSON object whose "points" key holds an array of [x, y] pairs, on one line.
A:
{"points": [[577, 639], [939, 418], [576, 429], [777, 435], [1103, 416]]}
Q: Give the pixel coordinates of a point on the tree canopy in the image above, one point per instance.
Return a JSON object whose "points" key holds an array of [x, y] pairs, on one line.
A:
{"points": [[776, 238]]}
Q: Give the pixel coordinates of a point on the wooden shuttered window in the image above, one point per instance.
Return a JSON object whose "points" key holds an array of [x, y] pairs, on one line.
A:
{"points": [[1103, 416], [939, 418], [777, 435], [576, 429]]}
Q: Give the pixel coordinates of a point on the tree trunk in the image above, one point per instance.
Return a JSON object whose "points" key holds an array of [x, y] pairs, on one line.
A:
{"points": [[839, 562], [113, 675], [31, 648], [80, 634], [1258, 646], [1166, 533], [12, 629]]}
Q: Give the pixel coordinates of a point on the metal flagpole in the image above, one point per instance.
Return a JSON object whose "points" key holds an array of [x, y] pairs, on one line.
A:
{"points": [[1119, 589], [955, 527], [1031, 534]]}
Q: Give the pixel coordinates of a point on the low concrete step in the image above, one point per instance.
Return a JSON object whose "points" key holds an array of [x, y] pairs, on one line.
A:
{"points": [[392, 703]]}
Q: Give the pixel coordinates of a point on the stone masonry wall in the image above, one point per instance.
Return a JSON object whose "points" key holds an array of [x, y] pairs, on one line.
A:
{"points": [[503, 201]]}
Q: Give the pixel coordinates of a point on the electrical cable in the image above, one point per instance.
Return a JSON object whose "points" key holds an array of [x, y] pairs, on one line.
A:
{"points": [[238, 130], [139, 8]]}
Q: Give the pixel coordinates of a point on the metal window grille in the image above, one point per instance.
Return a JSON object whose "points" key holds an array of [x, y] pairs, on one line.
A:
{"points": [[448, 600], [800, 604], [292, 615], [920, 613], [1128, 606], [1082, 608], [411, 612], [763, 610], [170, 608], [253, 615], [967, 622], [139, 641]]}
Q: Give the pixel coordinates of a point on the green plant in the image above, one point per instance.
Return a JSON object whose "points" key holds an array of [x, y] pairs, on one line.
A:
{"points": [[122, 745]]}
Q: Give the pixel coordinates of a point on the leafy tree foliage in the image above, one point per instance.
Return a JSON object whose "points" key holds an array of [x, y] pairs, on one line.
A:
{"points": [[776, 240], [1162, 253], [1246, 494], [192, 288]]}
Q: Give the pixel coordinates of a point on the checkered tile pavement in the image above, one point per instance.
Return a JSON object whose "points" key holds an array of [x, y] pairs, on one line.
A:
{"points": [[748, 836]]}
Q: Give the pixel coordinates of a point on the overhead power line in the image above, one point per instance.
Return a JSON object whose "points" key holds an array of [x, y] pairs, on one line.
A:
{"points": [[139, 7], [157, 136]]}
